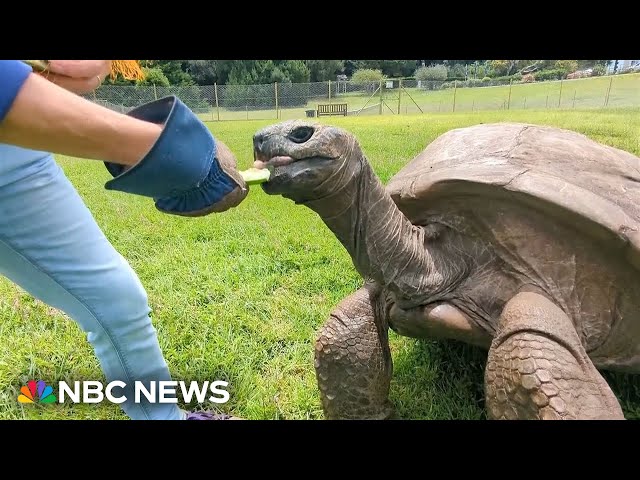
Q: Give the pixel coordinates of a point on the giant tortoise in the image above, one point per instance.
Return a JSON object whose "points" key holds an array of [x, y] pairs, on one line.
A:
{"points": [[520, 239]]}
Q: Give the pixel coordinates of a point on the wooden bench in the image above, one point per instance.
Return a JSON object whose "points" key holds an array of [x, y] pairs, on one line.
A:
{"points": [[332, 109]]}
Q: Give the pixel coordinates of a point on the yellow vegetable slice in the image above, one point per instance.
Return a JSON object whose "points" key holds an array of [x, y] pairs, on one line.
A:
{"points": [[254, 176]]}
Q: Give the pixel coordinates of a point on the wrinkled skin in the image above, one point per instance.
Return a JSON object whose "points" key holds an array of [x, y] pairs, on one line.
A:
{"points": [[497, 275]]}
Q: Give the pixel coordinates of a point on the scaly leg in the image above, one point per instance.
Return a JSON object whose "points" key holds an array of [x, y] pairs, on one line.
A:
{"points": [[353, 360], [538, 369]]}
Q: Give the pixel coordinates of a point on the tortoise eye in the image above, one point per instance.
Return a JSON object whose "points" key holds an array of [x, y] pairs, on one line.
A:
{"points": [[301, 134]]}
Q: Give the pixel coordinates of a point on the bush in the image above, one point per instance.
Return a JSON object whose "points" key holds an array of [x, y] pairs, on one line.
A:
{"points": [[365, 75], [369, 77], [482, 71], [554, 74], [457, 72], [528, 78], [599, 70], [486, 79], [499, 67], [506, 79], [436, 73], [567, 66], [472, 82]]}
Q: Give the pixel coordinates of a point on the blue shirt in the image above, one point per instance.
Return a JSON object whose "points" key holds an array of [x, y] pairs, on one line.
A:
{"points": [[13, 74]]}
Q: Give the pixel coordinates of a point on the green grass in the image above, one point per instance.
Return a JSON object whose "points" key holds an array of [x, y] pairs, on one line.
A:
{"points": [[568, 94], [240, 295]]}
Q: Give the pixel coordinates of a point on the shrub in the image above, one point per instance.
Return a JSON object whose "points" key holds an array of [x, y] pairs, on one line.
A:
{"points": [[473, 82], [599, 70], [438, 72], [544, 75], [499, 67], [567, 66], [457, 72], [579, 74], [506, 79], [528, 78], [368, 77], [365, 75], [486, 79]]}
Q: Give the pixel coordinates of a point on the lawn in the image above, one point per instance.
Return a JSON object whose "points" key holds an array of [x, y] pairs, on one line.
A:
{"points": [[240, 296], [568, 94]]}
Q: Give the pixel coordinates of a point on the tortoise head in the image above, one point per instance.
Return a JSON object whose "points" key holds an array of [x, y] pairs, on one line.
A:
{"points": [[307, 161]]}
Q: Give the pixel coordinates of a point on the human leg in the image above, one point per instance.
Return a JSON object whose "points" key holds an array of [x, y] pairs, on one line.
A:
{"points": [[52, 247]]}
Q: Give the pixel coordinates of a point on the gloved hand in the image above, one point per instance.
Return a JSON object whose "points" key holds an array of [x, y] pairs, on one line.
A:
{"points": [[187, 171]]}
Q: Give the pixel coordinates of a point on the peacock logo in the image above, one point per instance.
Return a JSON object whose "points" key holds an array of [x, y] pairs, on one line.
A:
{"points": [[36, 392]]}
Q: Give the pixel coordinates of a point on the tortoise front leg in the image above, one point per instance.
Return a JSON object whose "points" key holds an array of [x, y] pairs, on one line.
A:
{"points": [[538, 369], [353, 360]]}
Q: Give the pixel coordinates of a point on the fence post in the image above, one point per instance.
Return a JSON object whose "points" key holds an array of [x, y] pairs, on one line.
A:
{"points": [[215, 91], [560, 96], [399, 94], [277, 113], [606, 98], [155, 92], [574, 99], [455, 89], [509, 101], [381, 100], [329, 92]]}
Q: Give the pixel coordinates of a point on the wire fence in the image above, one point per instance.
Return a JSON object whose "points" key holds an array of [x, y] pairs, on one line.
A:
{"points": [[388, 97]]}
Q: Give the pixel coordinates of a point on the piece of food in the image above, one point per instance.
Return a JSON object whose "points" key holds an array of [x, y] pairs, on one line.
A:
{"points": [[254, 176]]}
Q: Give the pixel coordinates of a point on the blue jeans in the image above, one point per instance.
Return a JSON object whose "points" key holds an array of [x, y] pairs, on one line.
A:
{"points": [[51, 246]]}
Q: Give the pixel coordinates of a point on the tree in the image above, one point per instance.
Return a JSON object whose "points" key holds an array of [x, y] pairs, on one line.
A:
{"points": [[583, 64], [567, 66], [154, 76], [323, 70], [398, 68], [174, 70], [502, 68], [257, 72], [207, 72], [297, 70]]}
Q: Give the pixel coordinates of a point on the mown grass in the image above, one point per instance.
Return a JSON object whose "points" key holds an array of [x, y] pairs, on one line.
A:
{"points": [[552, 95], [240, 295]]}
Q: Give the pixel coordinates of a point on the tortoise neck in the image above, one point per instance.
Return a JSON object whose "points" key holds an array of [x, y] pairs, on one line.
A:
{"points": [[382, 242]]}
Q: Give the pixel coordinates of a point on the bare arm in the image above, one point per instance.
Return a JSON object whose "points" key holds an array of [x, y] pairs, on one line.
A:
{"points": [[47, 117], [181, 166]]}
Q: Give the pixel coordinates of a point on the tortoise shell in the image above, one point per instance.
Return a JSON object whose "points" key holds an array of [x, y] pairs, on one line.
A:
{"points": [[594, 187]]}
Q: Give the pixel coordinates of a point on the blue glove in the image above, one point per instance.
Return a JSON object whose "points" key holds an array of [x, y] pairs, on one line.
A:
{"points": [[186, 172]]}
